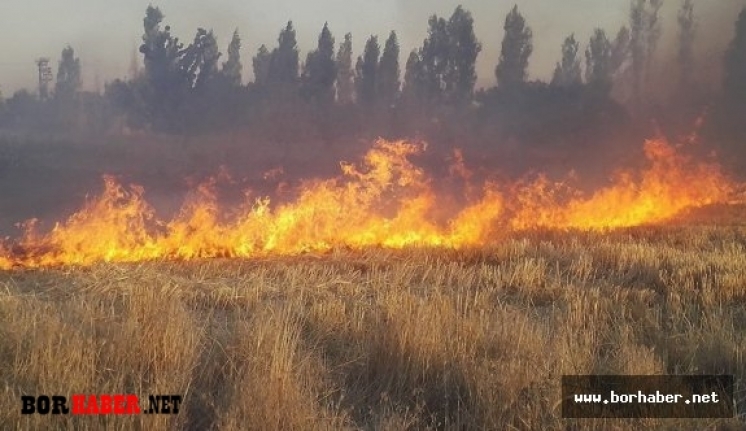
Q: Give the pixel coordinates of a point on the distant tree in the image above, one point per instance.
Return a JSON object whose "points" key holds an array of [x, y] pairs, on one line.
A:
{"points": [[260, 63], [21, 108], [598, 62], [620, 49], [388, 70], [567, 72], [45, 77], [199, 62], [320, 70], [231, 69], [653, 33], [415, 85], [645, 31], [447, 59], [637, 43], [358, 79], [464, 48], [366, 70], [734, 81], [166, 82], [517, 47], [434, 57], [68, 76], [127, 98], [160, 50], [345, 75], [685, 57], [283, 66]]}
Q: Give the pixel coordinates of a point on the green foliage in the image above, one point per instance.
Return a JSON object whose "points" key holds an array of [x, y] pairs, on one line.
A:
{"points": [[165, 79], [734, 83], [435, 57], [366, 71], [199, 61], [283, 65], [161, 51], [22, 108], [567, 72], [415, 84], [645, 31], [388, 71], [232, 67], [345, 76], [68, 76], [260, 63], [598, 61], [463, 49], [517, 46], [603, 59], [447, 60], [320, 70], [687, 30], [620, 49]]}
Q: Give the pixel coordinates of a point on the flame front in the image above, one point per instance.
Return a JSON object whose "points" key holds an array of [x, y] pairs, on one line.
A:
{"points": [[387, 201], [671, 183]]}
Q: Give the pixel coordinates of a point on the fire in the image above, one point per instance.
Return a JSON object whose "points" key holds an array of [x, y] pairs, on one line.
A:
{"points": [[385, 201], [672, 183]]}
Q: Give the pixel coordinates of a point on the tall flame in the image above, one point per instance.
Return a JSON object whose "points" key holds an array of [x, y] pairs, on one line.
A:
{"points": [[386, 201]]}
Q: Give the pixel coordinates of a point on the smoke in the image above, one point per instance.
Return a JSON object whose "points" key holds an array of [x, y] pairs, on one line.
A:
{"points": [[105, 47], [554, 133]]}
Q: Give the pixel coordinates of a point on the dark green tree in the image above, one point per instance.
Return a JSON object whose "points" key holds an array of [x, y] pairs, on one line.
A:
{"points": [[160, 50], [517, 46], [415, 85], [653, 33], [620, 49], [68, 76], [734, 73], [645, 31], [567, 72], [366, 70], [685, 56], [320, 71], [283, 66], [446, 61], [435, 58], [604, 58], [345, 76], [231, 69], [461, 75], [388, 71], [199, 61], [598, 62], [22, 109], [165, 83], [260, 63]]}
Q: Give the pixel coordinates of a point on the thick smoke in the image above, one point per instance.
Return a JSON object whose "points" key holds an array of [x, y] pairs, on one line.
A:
{"points": [[180, 113]]}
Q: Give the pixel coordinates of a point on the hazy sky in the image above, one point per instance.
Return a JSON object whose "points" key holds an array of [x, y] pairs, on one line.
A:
{"points": [[105, 32]]}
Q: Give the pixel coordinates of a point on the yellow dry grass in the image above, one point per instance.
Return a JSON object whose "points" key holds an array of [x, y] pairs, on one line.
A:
{"points": [[381, 340]]}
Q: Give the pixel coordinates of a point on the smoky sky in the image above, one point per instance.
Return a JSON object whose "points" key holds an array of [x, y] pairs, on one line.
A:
{"points": [[105, 33]]}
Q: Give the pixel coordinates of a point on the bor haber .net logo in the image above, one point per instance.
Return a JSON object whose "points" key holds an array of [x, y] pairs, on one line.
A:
{"points": [[102, 404]]}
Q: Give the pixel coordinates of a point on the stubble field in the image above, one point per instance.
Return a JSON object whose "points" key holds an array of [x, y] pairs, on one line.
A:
{"points": [[382, 339]]}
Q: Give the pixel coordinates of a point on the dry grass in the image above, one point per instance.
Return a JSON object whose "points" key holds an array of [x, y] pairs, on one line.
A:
{"points": [[417, 339]]}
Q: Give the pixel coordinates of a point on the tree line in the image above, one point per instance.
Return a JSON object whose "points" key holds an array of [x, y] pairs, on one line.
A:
{"points": [[193, 87]]}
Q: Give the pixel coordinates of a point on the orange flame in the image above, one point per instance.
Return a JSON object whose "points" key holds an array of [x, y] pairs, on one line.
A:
{"points": [[672, 183], [387, 201]]}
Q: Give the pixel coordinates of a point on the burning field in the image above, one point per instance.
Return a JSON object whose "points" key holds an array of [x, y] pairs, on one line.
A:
{"points": [[384, 201], [382, 298]]}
